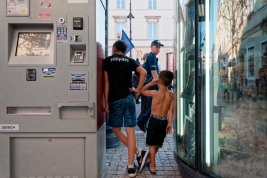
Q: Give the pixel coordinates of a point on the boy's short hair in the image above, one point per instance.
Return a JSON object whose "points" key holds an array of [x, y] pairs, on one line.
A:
{"points": [[120, 46], [166, 77]]}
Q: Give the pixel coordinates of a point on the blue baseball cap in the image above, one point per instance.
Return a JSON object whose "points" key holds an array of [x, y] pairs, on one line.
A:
{"points": [[156, 43]]}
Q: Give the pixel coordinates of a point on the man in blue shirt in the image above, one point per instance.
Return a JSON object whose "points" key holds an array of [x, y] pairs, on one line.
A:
{"points": [[152, 69]]}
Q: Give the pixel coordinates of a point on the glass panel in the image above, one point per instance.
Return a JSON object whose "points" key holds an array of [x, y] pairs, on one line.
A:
{"points": [[119, 28], [149, 4], [185, 106], [154, 4], [150, 31], [118, 4], [155, 29], [233, 64], [122, 4], [33, 44]]}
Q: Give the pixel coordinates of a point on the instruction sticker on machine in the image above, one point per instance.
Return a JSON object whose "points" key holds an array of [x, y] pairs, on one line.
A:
{"points": [[48, 72], [78, 82], [62, 34], [17, 7]]}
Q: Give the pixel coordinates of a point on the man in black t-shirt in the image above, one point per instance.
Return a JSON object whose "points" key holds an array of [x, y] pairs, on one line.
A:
{"points": [[120, 101]]}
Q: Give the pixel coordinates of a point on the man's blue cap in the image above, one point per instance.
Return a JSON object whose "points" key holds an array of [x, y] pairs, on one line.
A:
{"points": [[156, 43]]}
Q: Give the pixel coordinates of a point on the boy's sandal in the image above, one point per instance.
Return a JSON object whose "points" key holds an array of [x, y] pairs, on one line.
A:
{"points": [[154, 173]]}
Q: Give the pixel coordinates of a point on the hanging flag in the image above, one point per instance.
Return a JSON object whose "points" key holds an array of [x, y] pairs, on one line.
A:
{"points": [[129, 43]]}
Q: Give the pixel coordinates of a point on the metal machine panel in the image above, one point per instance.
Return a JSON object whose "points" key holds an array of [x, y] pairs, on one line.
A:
{"points": [[49, 104], [44, 157]]}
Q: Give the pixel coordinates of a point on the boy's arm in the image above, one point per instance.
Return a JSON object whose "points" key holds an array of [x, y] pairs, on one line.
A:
{"points": [[146, 92], [152, 83], [170, 116], [106, 90]]}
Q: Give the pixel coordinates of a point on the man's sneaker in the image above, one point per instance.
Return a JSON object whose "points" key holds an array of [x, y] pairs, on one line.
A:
{"points": [[132, 171], [141, 126], [141, 160]]}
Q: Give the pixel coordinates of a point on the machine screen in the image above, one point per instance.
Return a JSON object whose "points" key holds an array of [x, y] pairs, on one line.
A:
{"points": [[33, 44]]}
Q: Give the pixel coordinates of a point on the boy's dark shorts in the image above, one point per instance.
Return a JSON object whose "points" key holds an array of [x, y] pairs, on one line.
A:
{"points": [[156, 131]]}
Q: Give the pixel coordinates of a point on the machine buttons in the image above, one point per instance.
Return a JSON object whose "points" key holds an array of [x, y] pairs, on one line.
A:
{"points": [[61, 30]]}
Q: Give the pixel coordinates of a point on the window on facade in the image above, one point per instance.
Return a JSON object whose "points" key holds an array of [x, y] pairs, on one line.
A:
{"points": [[120, 4], [250, 62], [152, 31], [250, 6], [152, 4], [264, 54], [119, 28]]}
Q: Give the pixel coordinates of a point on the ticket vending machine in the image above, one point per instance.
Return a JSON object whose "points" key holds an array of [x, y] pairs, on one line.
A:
{"points": [[51, 96]]}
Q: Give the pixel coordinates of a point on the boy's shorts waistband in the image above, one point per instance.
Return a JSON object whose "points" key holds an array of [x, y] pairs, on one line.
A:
{"points": [[159, 117]]}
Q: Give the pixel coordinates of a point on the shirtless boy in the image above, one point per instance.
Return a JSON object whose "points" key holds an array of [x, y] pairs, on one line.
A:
{"points": [[161, 115]]}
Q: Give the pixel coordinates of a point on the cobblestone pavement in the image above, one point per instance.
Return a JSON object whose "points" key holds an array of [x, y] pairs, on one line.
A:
{"points": [[117, 159]]}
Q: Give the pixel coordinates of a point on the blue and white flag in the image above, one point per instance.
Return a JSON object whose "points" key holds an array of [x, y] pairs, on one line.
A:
{"points": [[129, 43]]}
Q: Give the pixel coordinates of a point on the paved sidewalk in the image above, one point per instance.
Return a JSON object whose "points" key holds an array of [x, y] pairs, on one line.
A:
{"points": [[116, 160]]}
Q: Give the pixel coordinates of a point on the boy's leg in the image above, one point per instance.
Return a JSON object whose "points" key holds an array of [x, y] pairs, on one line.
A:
{"points": [[153, 151]]}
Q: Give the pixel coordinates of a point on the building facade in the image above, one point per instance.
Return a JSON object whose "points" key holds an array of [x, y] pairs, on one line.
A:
{"points": [[153, 19]]}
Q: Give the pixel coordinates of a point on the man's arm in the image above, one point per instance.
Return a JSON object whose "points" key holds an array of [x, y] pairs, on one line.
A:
{"points": [[106, 90], [142, 77], [154, 74]]}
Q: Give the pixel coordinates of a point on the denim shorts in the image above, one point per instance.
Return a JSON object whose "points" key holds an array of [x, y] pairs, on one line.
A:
{"points": [[122, 112], [156, 131]]}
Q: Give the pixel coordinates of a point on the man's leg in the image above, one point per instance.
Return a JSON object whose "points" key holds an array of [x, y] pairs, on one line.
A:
{"points": [[122, 137], [130, 131]]}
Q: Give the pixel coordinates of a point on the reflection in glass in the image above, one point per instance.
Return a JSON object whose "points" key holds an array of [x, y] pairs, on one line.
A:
{"points": [[33, 44], [234, 88]]}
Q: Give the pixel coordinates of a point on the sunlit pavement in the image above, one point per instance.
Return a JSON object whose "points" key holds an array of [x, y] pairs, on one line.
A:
{"points": [[116, 159]]}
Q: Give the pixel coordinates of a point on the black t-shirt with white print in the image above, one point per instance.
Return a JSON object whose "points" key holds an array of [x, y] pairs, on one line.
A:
{"points": [[119, 69]]}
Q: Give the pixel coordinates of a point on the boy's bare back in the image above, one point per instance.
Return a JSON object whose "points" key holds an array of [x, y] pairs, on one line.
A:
{"points": [[161, 102]]}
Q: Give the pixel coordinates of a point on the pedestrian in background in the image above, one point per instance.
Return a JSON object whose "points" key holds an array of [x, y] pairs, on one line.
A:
{"points": [[152, 69], [120, 101]]}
